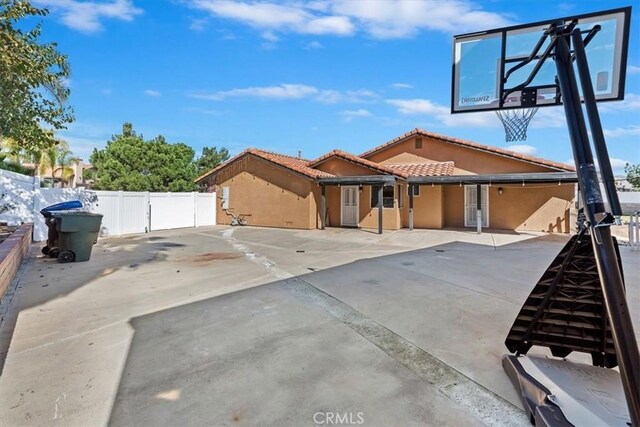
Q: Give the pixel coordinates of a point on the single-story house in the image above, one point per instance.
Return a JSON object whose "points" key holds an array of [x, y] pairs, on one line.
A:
{"points": [[418, 180]]}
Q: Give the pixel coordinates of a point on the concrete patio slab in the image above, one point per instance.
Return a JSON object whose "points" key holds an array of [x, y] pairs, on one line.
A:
{"points": [[240, 326]]}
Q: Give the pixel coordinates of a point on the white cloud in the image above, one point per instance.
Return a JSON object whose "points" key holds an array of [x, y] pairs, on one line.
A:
{"points": [[291, 91], [286, 17], [351, 114], [351, 96], [631, 103], [622, 132], [270, 36], [198, 24], [86, 16], [84, 137], [523, 149], [152, 92], [378, 18], [106, 91], [283, 91], [405, 18], [633, 69], [443, 114], [618, 164], [313, 45], [402, 85], [549, 117]]}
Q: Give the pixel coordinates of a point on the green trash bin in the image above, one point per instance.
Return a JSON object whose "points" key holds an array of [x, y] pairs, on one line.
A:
{"points": [[77, 233]]}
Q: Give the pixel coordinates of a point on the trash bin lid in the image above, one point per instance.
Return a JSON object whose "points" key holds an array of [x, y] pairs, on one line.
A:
{"points": [[74, 213], [72, 204]]}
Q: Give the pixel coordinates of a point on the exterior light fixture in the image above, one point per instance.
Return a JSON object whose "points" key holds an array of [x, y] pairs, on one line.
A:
{"points": [[500, 190]]}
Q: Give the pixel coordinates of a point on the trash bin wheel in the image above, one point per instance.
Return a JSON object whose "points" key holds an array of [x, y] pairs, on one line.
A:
{"points": [[66, 256], [45, 250], [53, 252]]}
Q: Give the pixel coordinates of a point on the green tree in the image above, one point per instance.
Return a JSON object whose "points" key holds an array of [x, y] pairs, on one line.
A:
{"points": [[633, 175], [130, 163], [210, 158], [12, 166], [33, 74]]}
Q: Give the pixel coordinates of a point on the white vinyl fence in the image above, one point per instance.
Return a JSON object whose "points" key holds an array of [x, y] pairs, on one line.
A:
{"points": [[124, 212], [127, 212], [634, 231]]}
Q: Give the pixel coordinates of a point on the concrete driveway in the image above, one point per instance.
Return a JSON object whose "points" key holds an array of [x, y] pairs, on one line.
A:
{"points": [[251, 326]]}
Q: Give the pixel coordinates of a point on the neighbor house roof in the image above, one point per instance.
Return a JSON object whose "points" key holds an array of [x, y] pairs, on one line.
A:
{"points": [[470, 144], [295, 164]]}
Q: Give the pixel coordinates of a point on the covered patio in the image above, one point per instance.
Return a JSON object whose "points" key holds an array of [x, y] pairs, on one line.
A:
{"points": [[374, 181], [509, 179]]}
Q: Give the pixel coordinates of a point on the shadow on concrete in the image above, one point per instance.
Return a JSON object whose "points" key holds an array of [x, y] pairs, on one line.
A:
{"points": [[67, 278], [250, 356]]}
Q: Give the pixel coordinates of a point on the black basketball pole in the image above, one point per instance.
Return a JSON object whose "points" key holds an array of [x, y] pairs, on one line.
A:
{"points": [[594, 123], [606, 259]]}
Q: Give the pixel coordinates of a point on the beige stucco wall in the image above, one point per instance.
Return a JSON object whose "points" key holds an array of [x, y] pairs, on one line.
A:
{"points": [[273, 196], [369, 216], [427, 208], [453, 206], [528, 208], [532, 208], [276, 197], [340, 167], [466, 160]]}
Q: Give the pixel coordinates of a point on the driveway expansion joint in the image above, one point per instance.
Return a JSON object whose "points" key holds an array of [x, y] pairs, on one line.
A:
{"points": [[472, 397]]}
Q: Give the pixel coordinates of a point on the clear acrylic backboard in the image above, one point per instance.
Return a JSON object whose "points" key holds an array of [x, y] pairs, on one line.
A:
{"points": [[482, 60]]}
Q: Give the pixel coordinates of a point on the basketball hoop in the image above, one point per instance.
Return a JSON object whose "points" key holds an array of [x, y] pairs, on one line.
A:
{"points": [[515, 122]]}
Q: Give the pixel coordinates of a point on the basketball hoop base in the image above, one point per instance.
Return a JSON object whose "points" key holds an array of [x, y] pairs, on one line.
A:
{"points": [[556, 392]]}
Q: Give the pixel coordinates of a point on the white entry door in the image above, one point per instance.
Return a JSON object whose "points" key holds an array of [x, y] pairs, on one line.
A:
{"points": [[350, 211], [471, 206]]}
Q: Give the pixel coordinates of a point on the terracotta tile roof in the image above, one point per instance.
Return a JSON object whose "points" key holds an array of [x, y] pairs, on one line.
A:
{"points": [[470, 144], [354, 159], [293, 163], [422, 169]]}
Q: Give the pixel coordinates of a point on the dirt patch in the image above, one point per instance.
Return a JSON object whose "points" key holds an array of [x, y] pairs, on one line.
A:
{"points": [[213, 256]]}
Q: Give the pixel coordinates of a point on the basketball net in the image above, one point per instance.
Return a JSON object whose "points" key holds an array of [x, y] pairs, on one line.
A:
{"points": [[515, 122]]}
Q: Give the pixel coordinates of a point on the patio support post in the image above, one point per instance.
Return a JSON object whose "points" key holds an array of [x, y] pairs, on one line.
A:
{"points": [[323, 207], [410, 206], [479, 208], [380, 203]]}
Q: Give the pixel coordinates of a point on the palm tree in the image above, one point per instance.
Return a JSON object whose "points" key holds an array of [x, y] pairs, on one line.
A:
{"points": [[64, 161], [51, 155]]}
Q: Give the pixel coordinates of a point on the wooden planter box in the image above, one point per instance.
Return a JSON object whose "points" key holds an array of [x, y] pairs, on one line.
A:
{"points": [[12, 250]]}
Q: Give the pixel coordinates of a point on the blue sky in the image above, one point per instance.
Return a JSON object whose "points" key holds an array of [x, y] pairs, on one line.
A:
{"points": [[301, 75]]}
